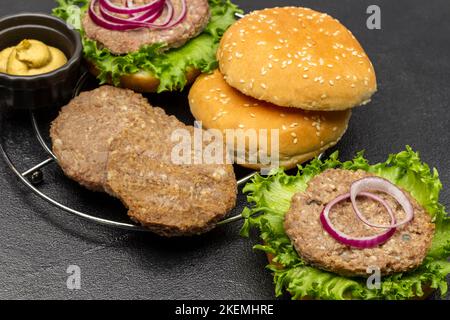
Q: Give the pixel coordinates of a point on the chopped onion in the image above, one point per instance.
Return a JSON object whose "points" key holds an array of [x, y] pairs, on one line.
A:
{"points": [[147, 15], [362, 242], [380, 184]]}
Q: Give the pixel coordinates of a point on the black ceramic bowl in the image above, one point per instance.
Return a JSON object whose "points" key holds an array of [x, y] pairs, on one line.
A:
{"points": [[49, 89]]}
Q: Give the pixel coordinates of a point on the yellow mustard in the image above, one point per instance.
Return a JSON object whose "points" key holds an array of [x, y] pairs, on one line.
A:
{"points": [[31, 57]]}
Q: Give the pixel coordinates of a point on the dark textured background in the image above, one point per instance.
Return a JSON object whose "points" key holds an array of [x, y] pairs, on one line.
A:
{"points": [[38, 242]]}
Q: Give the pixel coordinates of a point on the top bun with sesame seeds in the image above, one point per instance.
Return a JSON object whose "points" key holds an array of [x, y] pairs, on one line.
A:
{"points": [[302, 134], [296, 57]]}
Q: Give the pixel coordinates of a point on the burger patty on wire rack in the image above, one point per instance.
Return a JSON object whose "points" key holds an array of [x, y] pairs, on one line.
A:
{"points": [[112, 140]]}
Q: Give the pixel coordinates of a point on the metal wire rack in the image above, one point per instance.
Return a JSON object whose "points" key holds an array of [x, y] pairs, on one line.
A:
{"points": [[32, 177]]}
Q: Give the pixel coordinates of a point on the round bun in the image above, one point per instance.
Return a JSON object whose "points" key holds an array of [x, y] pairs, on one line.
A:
{"points": [[302, 134], [296, 57], [143, 81]]}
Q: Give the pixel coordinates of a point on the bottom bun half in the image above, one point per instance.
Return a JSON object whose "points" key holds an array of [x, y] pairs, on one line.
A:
{"points": [[302, 134], [143, 81]]}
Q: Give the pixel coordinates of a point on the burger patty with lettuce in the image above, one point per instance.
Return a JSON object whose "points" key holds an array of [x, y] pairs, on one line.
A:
{"points": [[328, 229], [149, 45]]}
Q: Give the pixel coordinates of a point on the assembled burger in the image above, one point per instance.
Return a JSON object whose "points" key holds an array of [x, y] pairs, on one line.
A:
{"points": [[149, 45], [351, 230]]}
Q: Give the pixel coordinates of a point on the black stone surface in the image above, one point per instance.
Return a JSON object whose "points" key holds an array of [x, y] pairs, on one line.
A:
{"points": [[38, 242]]}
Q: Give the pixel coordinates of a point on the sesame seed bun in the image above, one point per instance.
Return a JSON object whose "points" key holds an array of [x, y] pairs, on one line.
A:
{"points": [[142, 81], [297, 57], [302, 134]]}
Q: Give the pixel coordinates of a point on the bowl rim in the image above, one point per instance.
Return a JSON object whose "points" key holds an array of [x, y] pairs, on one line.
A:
{"points": [[76, 57]]}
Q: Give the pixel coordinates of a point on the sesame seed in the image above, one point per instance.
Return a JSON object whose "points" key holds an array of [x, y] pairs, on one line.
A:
{"points": [[282, 115], [239, 55], [295, 140], [293, 134], [324, 96], [305, 76], [331, 82], [329, 65], [263, 85], [252, 115], [334, 128], [283, 127], [241, 126]]}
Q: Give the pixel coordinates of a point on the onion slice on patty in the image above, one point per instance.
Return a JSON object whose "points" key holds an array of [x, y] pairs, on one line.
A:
{"points": [[362, 242], [139, 17], [380, 184], [108, 5]]}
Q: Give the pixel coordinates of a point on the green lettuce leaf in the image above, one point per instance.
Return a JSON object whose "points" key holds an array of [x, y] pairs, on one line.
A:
{"points": [[271, 198], [168, 66]]}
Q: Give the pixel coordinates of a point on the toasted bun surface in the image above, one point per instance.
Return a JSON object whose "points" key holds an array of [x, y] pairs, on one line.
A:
{"points": [[296, 57], [302, 134], [143, 81]]}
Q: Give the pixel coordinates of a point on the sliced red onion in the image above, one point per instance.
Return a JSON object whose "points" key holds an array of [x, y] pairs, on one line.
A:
{"points": [[128, 10], [108, 21], [380, 184], [152, 17], [138, 20], [362, 242]]}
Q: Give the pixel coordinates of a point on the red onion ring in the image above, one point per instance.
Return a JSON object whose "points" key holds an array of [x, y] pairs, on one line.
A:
{"points": [[130, 10], [152, 17], [380, 184], [109, 21], [362, 242], [143, 18]]}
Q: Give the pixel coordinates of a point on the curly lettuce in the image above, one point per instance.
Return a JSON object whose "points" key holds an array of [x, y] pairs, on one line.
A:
{"points": [[271, 198], [168, 66]]}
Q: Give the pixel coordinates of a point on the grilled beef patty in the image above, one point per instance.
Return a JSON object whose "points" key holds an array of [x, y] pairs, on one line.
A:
{"points": [[404, 251], [170, 199], [82, 132], [124, 42]]}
